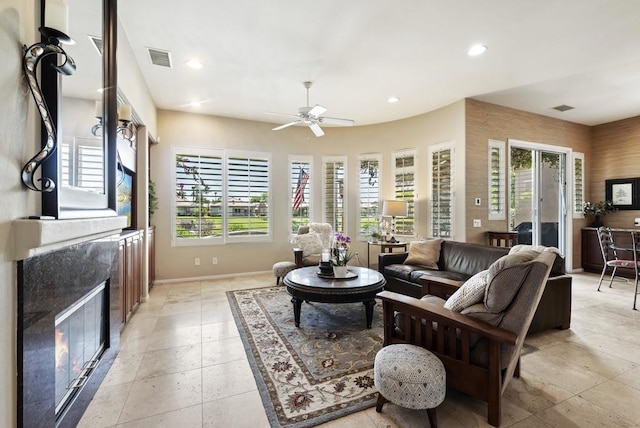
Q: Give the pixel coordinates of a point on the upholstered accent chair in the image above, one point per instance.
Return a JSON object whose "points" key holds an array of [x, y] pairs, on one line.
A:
{"points": [[310, 241], [477, 333]]}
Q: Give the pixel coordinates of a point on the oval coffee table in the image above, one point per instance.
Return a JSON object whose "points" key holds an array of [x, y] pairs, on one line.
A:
{"points": [[304, 284]]}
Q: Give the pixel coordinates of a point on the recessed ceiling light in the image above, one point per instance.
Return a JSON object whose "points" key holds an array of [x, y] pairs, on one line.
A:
{"points": [[196, 64], [476, 50], [393, 100], [195, 104]]}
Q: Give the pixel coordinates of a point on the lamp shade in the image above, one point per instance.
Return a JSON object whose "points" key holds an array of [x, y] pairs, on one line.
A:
{"points": [[395, 208]]}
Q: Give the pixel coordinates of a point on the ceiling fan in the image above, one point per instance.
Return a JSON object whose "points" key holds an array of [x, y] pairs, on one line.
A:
{"points": [[310, 116]]}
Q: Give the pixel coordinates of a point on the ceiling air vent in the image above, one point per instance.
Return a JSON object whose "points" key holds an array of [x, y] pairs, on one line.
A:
{"points": [[563, 107], [97, 43], [160, 57]]}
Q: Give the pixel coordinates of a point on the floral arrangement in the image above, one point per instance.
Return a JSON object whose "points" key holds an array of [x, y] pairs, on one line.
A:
{"points": [[599, 208], [341, 253]]}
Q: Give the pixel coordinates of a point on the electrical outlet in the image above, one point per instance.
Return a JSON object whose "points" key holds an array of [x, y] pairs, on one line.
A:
{"points": [[214, 260], [197, 261], [477, 222], [636, 222], [478, 202]]}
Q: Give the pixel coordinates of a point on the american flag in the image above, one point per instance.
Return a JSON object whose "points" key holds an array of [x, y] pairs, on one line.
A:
{"points": [[298, 199]]}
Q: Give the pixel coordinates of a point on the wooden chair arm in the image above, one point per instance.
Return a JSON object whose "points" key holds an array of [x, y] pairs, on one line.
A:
{"points": [[416, 307], [441, 287]]}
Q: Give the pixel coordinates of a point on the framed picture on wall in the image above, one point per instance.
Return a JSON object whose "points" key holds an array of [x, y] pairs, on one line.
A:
{"points": [[623, 193]]}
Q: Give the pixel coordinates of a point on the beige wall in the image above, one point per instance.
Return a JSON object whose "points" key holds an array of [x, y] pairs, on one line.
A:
{"points": [[192, 130], [488, 121], [615, 154], [18, 23]]}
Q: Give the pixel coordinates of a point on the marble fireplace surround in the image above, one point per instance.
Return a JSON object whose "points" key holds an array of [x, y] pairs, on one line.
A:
{"points": [[58, 262]]}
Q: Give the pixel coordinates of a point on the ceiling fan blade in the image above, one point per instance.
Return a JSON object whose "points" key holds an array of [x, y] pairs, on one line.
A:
{"points": [[283, 114], [317, 110], [336, 121], [316, 129], [286, 125]]}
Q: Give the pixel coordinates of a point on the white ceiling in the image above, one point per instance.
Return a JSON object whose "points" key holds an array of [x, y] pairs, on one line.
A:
{"points": [[541, 53]]}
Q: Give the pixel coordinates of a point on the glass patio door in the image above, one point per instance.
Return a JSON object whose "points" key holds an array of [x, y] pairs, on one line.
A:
{"points": [[538, 196]]}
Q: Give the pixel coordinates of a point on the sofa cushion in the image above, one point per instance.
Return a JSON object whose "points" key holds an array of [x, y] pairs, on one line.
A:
{"points": [[470, 293], [424, 253], [467, 258], [454, 276], [400, 271], [505, 277]]}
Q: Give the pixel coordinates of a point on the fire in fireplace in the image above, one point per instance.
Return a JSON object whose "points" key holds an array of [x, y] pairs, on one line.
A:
{"points": [[80, 332]]}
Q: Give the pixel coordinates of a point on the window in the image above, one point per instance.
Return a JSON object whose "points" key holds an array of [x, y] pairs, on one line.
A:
{"points": [[300, 191], [578, 184], [497, 180], [369, 182], [220, 196], [442, 191], [404, 173], [333, 184]]}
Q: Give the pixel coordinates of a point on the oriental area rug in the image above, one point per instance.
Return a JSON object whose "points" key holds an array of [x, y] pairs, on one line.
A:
{"points": [[309, 375]]}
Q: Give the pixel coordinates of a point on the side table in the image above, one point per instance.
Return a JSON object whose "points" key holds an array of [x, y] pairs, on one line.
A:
{"points": [[385, 247]]}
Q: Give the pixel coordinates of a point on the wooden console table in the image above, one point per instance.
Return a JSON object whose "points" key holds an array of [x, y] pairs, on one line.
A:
{"points": [[503, 239]]}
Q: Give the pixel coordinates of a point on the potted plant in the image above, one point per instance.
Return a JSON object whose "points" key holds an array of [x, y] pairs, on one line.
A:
{"points": [[341, 255], [598, 210]]}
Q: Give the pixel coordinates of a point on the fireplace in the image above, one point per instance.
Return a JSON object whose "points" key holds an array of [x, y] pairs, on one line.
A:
{"points": [[79, 342], [68, 330]]}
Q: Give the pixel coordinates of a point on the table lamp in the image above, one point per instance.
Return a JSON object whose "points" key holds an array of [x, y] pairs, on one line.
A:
{"points": [[393, 209]]}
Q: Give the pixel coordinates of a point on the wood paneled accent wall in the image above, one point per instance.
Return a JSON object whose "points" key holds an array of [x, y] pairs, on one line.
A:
{"points": [[615, 153], [486, 121]]}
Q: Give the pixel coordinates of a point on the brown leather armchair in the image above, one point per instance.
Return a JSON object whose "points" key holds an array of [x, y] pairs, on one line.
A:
{"points": [[480, 345]]}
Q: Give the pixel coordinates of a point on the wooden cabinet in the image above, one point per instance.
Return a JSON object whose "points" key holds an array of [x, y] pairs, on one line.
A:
{"points": [[152, 255], [130, 256], [592, 256]]}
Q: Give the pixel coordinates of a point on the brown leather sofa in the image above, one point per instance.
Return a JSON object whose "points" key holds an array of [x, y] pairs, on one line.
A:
{"points": [[458, 262]]}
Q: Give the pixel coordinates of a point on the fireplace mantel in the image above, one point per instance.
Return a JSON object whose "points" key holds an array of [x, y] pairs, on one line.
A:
{"points": [[34, 237]]}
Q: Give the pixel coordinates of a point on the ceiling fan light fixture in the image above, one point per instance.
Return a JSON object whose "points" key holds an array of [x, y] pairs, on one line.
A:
{"points": [[392, 100], [477, 49]]}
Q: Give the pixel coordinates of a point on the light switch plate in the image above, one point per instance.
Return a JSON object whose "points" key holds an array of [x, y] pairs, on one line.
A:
{"points": [[637, 222], [477, 222]]}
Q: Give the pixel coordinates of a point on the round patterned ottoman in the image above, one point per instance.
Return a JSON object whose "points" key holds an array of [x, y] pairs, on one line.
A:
{"points": [[280, 269], [411, 377]]}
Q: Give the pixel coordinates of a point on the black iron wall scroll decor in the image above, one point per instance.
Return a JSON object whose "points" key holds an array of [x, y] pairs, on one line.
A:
{"points": [[32, 56]]}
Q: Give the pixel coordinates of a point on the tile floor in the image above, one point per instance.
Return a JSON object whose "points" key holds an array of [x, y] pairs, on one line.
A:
{"points": [[182, 363]]}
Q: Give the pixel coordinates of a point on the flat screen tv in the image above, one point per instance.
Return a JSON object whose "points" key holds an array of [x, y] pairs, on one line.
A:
{"points": [[125, 194]]}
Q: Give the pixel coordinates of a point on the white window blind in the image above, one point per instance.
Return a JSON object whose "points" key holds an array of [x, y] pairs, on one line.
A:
{"points": [[247, 196], [442, 191], [333, 199], [497, 180], [369, 189], [82, 164], [404, 173], [578, 184]]}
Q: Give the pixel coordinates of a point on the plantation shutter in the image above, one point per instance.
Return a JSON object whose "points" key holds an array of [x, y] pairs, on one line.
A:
{"points": [[404, 176], [578, 184], [334, 194], [497, 178], [198, 196], [441, 193], [369, 196], [248, 196]]}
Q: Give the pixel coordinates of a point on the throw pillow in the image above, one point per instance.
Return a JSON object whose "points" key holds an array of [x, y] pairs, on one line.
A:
{"points": [[424, 253], [470, 293], [505, 277], [309, 243]]}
